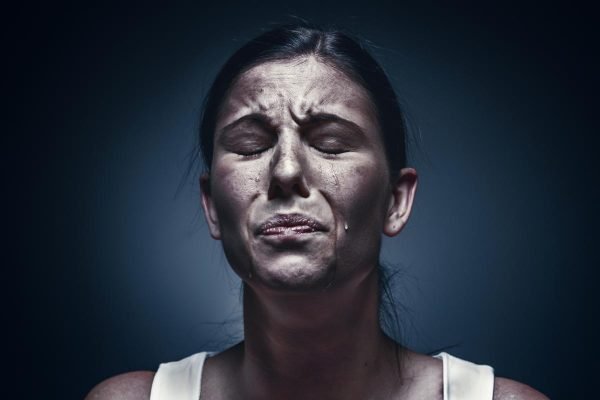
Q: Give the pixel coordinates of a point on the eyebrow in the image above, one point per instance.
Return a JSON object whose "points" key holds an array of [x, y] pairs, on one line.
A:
{"points": [[259, 118], [323, 118], [310, 120]]}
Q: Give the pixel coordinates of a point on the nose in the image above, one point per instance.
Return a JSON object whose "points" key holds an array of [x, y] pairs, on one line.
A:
{"points": [[287, 169]]}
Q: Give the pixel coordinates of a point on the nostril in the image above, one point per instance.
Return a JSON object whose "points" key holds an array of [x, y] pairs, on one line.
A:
{"points": [[288, 188], [302, 190]]}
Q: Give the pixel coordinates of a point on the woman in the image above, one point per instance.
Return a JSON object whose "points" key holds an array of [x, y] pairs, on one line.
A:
{"points": [[304, 144]]}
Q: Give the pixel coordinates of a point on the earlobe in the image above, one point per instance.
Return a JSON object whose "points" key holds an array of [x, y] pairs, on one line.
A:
{"points": [[210, 213], [401, 200]]}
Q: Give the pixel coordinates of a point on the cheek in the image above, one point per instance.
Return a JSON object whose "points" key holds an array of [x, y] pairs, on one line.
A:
{"points": [[233, 190], [358, 199], [361, 192]]}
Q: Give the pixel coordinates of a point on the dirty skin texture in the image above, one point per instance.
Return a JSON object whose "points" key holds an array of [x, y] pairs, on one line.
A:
{"points": [[299, 137]]}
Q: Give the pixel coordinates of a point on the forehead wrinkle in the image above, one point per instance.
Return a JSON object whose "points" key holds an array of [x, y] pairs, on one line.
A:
{"points": [[317, 87], [314, 74], [306, 105], [255, 88], [246, 102]]}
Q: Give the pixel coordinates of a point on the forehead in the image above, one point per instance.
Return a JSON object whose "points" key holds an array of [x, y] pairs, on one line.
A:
{"points": [[300, 86]]}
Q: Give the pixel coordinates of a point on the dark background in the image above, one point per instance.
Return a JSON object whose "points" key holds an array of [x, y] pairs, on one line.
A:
{"points": [[113, 266]]}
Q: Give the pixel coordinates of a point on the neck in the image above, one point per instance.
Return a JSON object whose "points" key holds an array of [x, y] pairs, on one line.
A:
{"points": [[325, 344]]}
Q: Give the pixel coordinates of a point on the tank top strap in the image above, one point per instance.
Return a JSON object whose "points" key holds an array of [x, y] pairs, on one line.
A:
{"points": [[179, 380], [464, 380]]}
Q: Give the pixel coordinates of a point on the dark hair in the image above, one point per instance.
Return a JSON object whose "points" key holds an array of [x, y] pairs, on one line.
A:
{"points": [[331, 46], [347, 54]]}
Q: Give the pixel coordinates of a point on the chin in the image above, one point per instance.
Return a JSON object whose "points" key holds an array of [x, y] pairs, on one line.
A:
{"points": [[295, 275]]}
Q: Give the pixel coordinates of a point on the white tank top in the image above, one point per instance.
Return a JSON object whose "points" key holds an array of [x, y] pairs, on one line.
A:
{"points": [[181, 380]]}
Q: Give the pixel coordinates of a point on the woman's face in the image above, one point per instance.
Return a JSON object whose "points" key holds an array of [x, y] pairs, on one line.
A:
{"points": [[299, 190]]}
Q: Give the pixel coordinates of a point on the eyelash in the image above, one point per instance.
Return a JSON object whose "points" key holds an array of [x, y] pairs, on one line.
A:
{"points": [[331, 153], [256, 154], [252, 155]]}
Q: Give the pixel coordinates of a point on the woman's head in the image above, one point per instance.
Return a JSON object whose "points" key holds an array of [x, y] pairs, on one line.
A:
{"points": [[305, 168]]}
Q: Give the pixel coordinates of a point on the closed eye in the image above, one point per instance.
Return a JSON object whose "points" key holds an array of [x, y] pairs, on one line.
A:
{"points": [[248, 144], [329, 151], [331, 145], [253, 153]]}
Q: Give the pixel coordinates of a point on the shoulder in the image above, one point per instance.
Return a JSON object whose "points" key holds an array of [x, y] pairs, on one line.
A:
{"points": [[507, 389], [129, 386]]}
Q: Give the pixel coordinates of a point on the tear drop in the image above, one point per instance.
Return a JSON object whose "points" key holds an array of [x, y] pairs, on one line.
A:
{"points": [[345, 226]]}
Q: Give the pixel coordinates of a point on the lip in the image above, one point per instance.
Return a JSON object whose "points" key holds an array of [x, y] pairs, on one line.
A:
{"points": [[290, 224]]}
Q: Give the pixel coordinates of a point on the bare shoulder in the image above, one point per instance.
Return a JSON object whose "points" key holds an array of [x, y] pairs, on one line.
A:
{"points": [[129, 386], [507, 389]]}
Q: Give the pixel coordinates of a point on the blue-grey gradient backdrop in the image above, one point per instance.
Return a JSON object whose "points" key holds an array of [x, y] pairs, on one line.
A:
{"points": [[120, 273]]}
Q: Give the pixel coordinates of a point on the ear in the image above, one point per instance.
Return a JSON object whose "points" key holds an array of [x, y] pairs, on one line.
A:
{"points": [[401, 200], [210, 213]]}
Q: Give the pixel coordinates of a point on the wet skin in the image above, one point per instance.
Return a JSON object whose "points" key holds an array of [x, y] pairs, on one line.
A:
{"points": [[301, 137]]}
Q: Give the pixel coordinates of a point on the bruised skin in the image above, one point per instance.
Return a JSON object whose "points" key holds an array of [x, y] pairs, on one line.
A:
{"points": [[289, 172]]}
